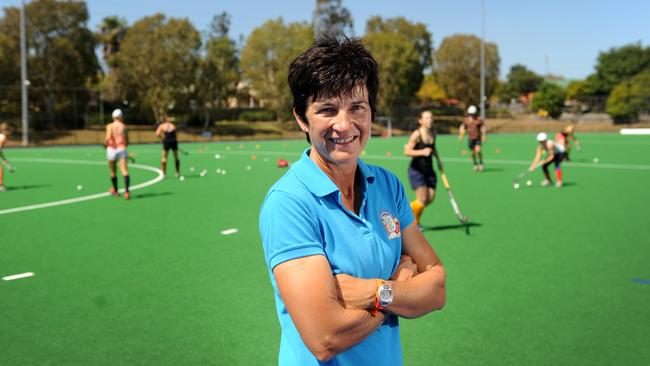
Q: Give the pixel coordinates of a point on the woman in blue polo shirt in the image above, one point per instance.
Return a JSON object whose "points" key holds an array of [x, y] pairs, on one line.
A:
{"points": [[345, 256]]}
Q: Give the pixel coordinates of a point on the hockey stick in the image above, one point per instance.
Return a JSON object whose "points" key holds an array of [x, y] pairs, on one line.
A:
{"points": [[454, 204]]}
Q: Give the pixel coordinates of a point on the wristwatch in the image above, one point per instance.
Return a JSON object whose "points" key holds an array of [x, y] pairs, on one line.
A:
{"points": [[384, 295]]}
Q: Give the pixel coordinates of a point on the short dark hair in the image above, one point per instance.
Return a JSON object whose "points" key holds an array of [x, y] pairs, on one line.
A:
{"points": [[332, 66]]}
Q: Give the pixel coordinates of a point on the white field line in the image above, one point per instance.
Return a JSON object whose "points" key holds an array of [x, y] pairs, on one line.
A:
{"points": [[229, 231], [83, 198], [452, 160], [635, 131], [18, 276]]}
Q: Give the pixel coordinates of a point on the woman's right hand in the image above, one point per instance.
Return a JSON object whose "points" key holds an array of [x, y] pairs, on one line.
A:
{"points": [[405, 270]]}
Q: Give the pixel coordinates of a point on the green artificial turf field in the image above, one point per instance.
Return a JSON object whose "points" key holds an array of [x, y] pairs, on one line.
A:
{"points": [[546, 276]]}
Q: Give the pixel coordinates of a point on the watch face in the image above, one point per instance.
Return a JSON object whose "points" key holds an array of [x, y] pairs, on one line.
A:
{"points": [[385, 295]]}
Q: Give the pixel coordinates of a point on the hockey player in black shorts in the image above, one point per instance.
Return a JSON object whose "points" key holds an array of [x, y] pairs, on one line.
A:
{"points": [[421, 147], [166, 132]]}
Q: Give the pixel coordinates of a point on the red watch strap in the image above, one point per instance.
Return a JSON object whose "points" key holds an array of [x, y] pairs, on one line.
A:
{"points": [[377, 306]]}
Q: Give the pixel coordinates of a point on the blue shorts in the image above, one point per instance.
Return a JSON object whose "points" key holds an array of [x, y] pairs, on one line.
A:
{"points": [[419, 179], [473, 143]]}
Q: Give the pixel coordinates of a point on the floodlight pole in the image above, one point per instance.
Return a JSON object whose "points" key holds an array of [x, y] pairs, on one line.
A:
{"points": [[316, 29], [23, 73], [483, 60]]}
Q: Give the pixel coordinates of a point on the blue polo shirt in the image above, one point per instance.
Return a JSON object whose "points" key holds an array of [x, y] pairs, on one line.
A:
{"points": [[303, 215]]}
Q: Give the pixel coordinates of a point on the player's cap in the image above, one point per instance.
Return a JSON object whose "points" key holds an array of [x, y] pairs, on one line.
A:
{"points": [[542, 136], [471, 109], [117, 113]]}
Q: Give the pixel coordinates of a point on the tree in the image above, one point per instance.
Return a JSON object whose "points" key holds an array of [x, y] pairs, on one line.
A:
{"points": [[629, 98], [619, 103], [615, 66], [505, 92], [266, 57], [522, 80], [218, 71], [112, 30], [640, 90], [61, 58], [330, 17], [110, 35], [458, 67], [575, 89], [550, 98], [403, 51], [157, 61], [430, 89], [416, 33]]}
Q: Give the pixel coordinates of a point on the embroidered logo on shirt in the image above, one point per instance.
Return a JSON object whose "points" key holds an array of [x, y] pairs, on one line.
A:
{"points": [[391, 224]]}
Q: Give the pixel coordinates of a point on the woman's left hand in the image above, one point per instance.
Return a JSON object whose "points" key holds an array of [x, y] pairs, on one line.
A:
{"points": [[355, 293], [405, 270]]}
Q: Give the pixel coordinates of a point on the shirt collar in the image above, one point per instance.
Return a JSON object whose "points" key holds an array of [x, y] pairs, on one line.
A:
{"points": [[317, 181]]}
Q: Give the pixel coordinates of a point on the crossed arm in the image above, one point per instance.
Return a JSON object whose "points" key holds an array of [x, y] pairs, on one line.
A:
{"points": [[331, 312]]}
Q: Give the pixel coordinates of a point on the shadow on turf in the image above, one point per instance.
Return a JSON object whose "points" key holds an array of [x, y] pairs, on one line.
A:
{"points": [[488, 170], [192, 176], [28, 186], [450, 227], [151, 195]]}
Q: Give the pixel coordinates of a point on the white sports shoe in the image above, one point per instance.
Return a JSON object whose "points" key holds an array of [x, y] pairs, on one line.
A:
{"points": [[3, 189], [545, 182], [558, 184]]}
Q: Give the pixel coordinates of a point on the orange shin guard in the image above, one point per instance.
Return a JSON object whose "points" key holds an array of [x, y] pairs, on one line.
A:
{"points": [[418, 208]]}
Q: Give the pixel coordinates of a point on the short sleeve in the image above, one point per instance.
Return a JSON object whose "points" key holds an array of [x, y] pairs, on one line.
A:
{"points": [[288, 228], [403, 207]]}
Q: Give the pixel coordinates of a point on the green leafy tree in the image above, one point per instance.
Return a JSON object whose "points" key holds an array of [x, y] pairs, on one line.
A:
{"points": [[265, 61], [110, 35], [629, 98], [615, 66], [218, 71], [403, 51], [157, 63], [575, 89], [416, 33], [640, 89], [400, 74], [61, 59], [458, 67], [331, 17], [430, 89], [111, 32], [550, 97], [619, 103], [522, 80], [505, 93]]}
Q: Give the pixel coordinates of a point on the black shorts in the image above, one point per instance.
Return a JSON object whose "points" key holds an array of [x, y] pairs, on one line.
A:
{"points": [[473, 143], [557, 160], [419, 179], [170, 145]]}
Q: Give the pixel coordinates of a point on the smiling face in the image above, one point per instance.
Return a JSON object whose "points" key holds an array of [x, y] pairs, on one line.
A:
{"points": [[426, 119], [338, 127]]}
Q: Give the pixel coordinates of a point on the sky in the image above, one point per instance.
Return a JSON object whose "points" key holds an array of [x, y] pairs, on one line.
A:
{"points": [[562, 37]]}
